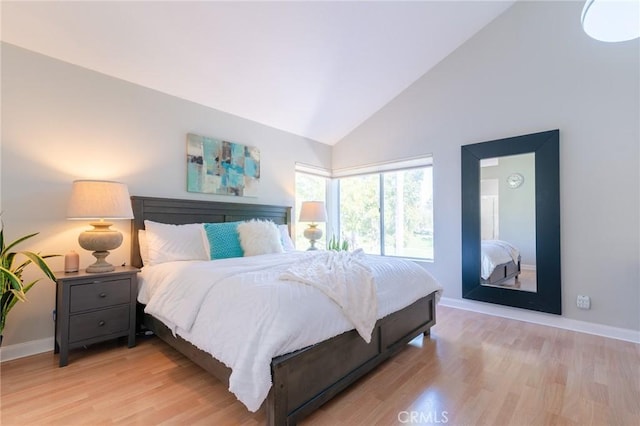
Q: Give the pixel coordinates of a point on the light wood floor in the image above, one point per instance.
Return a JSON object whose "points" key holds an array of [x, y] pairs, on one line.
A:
{"points": [[474, 370]]}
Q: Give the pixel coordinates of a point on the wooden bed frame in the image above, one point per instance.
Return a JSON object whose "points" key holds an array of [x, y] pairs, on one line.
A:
{"points": [[503, 272], [305, 379]]}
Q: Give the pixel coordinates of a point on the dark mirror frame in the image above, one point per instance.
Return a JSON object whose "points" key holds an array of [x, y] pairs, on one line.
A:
{"points": [[545, 145]]}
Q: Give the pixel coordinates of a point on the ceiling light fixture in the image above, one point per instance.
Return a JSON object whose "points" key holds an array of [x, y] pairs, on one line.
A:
{"points": [[611, 20]]}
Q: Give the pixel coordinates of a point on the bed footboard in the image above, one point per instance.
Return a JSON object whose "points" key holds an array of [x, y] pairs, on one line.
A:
{"points": [[502, 273], [306, 379]]}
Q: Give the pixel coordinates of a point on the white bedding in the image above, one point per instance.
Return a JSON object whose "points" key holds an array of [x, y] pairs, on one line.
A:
{"points": [[240, 312], [494, 253]]}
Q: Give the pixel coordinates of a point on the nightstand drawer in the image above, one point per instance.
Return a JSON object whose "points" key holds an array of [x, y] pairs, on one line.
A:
{"points": [[100, 295], [99, 323]]}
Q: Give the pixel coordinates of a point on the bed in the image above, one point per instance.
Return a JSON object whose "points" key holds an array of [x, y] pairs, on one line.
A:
{"points": [[303, 380], [500, 261]]}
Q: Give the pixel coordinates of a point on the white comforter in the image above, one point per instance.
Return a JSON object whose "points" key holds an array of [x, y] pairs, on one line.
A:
{"points": [[239, 310], [494, 253]]}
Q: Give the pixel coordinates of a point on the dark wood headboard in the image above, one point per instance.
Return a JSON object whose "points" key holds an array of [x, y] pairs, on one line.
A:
{"points": [[179, 212]]}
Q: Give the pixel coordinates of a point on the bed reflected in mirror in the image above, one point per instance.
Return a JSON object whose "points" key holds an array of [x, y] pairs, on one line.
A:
{"points": [[507, 222]]}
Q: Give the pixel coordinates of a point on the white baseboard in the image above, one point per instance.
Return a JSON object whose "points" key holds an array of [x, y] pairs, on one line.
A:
{"points": [[20, 350], [543, 319]]}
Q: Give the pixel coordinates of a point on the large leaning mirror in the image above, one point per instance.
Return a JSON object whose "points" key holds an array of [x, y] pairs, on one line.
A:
{"points": [[511, 222]]}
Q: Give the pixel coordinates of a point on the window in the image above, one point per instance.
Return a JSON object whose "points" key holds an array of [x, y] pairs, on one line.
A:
{"points": [[408, 213], [360, 212], [384, 209], [309, 187], [389, 213]]}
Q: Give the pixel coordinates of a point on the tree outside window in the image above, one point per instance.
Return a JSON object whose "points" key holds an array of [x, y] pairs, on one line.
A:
{"points": [[399, 203]]}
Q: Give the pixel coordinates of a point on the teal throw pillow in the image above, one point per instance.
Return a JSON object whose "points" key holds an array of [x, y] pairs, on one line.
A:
{"points": [[223, 240]]}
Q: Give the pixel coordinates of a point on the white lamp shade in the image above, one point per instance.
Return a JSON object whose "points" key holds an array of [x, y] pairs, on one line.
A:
{"points": [[98, 199], [313, 211], [611, 20]]}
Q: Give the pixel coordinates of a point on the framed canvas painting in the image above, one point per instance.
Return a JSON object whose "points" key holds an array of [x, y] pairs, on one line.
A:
{"points": [[215, 166]]}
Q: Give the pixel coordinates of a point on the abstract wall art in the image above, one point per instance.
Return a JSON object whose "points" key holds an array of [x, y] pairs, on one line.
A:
{"points": [[219, 167]]}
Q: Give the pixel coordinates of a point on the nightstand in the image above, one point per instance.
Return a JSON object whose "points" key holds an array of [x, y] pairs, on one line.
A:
{"points": [[92, 307]]}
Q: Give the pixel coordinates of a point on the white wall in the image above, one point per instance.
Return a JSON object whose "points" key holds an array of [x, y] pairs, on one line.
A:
{"points": [[61, 122], [533, 69]]}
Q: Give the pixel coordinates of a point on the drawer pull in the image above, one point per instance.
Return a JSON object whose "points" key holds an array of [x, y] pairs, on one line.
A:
{"points": [[103, 295], [101, 323]]}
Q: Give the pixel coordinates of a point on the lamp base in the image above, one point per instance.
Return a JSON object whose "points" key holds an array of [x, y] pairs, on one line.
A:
{"points": [[100, 240], [101, 265], [313, 234]]}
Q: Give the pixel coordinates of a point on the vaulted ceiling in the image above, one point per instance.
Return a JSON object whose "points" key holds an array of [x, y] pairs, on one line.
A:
{"points": [[315, 69]]}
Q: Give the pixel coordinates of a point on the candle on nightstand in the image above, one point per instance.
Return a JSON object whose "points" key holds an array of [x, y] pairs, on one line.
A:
{"points": [[71, 262]]}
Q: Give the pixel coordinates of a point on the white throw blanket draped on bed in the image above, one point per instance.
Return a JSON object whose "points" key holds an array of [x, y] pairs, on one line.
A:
{"points": [[346, 280], [240, 312]]}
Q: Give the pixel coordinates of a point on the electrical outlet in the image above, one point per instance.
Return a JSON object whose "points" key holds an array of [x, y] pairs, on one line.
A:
{"points": [[583, 302]]}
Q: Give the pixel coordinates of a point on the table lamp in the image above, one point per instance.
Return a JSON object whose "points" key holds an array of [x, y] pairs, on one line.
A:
{"points": [[96, 199], [313, 211]]}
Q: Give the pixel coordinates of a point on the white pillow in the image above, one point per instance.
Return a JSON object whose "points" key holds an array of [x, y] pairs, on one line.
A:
{"points": [[144, 247], [285, 238], [259, 237], [168, 243]]}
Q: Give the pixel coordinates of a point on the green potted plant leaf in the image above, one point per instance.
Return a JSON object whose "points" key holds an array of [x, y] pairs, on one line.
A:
{"points": [[337, 245], [13, 287]]}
